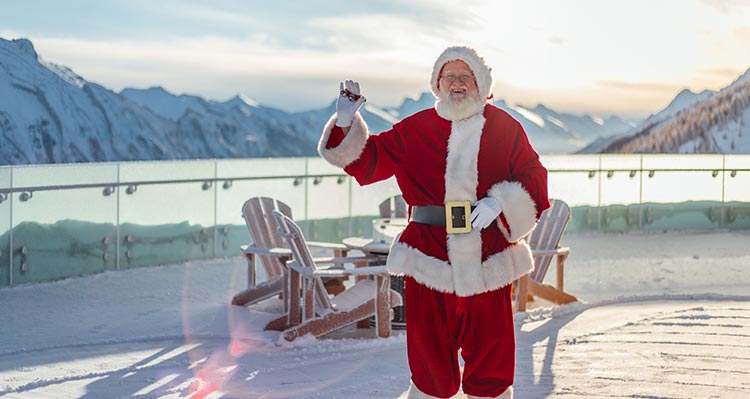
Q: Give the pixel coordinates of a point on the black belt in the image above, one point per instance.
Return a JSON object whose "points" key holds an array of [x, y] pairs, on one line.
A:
{"points": [[429, 214], [435, 215]]}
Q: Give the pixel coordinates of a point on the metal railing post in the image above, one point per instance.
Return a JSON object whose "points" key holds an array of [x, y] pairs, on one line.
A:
{"points": [[599, 209], [640, 198], [216, 205], [304, 181], [117, 221], [10, 244], [724, 210]]}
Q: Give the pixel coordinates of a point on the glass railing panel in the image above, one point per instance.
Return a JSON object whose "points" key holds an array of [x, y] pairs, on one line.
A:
{"points": [[682, 191], [366, 202], [327, 202], [737, 191], [242, 179], [5, 207], [232, 231], [620, 192], [575, 180], [261, 167], [166, 222], [59, 233]]}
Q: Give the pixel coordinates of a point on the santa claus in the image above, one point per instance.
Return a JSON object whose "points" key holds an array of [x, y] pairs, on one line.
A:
{"points": [[475, 187]]}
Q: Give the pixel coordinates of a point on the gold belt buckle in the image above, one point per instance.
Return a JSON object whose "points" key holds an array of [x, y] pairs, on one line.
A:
{"points": [[457, 217]]}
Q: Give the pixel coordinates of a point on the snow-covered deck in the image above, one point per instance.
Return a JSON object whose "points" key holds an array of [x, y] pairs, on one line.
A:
{"points": [[663, 316]]}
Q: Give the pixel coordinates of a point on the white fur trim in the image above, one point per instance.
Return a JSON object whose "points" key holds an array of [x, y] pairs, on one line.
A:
{"points": [[482, 72], [351, 147], [465, 254], [505, 267], [518, 208], [461, 179], [508, 394], [497, 271], [414, 393], [461, 176], [427, 270]]}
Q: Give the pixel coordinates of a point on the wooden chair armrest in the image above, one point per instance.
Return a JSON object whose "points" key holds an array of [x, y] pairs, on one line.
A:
{"points": [[277, 252], [360, 271], [550, 252], [347, 259], [327, 245]]}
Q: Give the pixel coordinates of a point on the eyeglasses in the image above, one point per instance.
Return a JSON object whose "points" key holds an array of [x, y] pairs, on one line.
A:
{"points": [[461, 78]]}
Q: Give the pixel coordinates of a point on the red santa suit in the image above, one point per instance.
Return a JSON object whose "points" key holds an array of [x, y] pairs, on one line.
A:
{"points": [[457, 293]]}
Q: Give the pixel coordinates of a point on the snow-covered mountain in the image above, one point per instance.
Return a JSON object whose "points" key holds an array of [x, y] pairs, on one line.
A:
{"points": [[684, 99], [49, 114], [161, 101], [706, 122]]}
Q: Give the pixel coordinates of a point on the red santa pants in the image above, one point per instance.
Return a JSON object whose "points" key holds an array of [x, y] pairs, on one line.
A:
{"points": [[481, 326]]}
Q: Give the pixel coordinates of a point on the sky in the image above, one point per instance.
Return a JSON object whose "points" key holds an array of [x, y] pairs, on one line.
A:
{"points": [[624, 57]]}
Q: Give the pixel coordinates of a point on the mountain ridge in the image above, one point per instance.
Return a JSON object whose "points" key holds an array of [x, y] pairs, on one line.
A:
{"points": [[50, 114], [712, 122]]}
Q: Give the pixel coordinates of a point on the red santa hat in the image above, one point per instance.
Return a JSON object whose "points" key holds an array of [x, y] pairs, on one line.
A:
{"points": [[481, 71]]}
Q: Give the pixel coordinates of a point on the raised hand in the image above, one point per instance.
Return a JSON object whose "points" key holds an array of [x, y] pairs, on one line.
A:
{"points": [[349, 101]]}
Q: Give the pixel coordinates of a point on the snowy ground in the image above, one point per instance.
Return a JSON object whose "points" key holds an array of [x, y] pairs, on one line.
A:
{"points": [[662, 316]]}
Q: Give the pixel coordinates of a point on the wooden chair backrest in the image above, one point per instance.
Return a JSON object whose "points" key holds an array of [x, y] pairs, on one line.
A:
{"points": [[393, 207], [547, 235], [263, 227], [291, 233]]}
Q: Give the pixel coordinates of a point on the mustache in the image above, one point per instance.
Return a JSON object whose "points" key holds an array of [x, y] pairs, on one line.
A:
{"points": [[454, 87], [445, 95]]}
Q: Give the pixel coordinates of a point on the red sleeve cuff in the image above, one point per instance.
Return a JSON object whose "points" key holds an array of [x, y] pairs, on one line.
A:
{"points": [[336, 137]]}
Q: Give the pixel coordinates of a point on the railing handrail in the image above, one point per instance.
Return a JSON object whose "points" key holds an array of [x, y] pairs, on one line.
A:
{"points": [[8, 190], [156, 182]]}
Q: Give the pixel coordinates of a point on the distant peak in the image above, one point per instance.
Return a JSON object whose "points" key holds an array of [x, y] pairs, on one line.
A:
{"points": [[541, 107], [685, 92], [243, 99], [26, 46], [424, 98], [426, 95], [153, 90], [158, 89]]}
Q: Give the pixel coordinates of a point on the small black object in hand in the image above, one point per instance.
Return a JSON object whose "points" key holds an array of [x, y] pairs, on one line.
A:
{"points": [[351, 96]]}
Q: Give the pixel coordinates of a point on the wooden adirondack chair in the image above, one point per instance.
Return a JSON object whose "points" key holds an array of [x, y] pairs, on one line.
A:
{"points": [[545, 245], [310, 310], [264, 230]]}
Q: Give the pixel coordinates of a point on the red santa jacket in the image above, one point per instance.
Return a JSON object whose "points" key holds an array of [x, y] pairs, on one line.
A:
{"points": [[434, 161]]}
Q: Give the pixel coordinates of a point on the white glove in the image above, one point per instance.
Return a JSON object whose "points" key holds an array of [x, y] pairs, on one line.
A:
{"points": [[348, 103], [486, 210]]}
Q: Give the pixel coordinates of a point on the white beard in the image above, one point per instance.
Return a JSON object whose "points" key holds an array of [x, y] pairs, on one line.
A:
{"points": [[452, 110]]}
